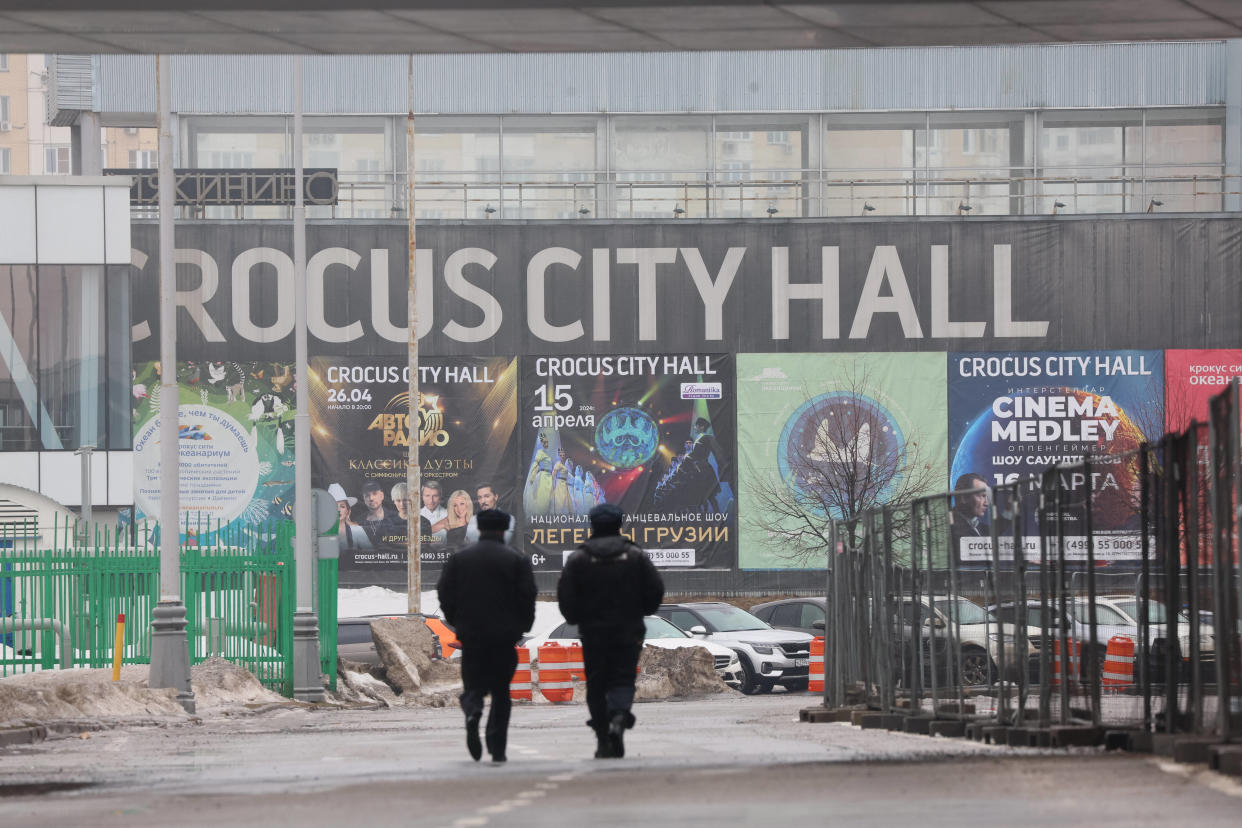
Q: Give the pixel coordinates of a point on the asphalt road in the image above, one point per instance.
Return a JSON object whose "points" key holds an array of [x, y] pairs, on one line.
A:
{"points": [[723, 760]]}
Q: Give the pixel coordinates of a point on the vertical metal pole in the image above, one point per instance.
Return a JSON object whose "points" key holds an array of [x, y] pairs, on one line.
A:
{"points": [[86, 452], [307, 684], [1144, 590], [1092, 667], [413, 478], [170, 653]]}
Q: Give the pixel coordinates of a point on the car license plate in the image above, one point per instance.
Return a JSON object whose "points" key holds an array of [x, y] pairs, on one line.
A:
{"points": [[802, 662]]}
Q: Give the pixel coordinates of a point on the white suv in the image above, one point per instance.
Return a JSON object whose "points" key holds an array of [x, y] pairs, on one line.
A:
{"points": [[768, 657]]}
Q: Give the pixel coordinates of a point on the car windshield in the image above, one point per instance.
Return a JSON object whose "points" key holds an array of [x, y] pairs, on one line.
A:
{"points": [[730, 619], [1155, 611], [968, 612], [659, 628]]}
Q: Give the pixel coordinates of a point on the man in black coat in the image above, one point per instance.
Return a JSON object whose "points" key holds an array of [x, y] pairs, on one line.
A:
{"points": [[606, 588], [487, 593]]}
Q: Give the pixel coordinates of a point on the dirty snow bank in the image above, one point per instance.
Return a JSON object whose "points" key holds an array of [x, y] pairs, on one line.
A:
{"points": [[75, 694], [221, 684]]}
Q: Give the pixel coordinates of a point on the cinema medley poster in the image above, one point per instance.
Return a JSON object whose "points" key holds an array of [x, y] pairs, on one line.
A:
{"points": [[814, 428], [1012, 415], [652, 434], [467, 450], [235, 438]]}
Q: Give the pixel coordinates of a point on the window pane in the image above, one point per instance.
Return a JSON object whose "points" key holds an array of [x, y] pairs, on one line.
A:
{"points": [[366, 186], [121, 394], [1083, 162], [457, 174], [242, 150], [1185, 164], [661, 167], [868, 167], [962, 159], [19, 397], [71, 304], [758, 168], [548, 157]]}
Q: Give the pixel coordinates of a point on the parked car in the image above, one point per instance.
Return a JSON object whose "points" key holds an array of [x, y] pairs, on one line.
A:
{"points": [[977, 638], [354, 641], [660, 633], [805, 615], [1115, 616], [767, 656]]}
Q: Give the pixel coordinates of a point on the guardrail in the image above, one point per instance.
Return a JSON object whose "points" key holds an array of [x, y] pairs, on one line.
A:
{"points": [[787, 193], [1100, 596]]}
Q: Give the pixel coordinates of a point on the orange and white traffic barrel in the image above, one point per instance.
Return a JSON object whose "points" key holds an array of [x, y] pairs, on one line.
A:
{"points": [[520, 686], [1072, 667], [816, 674], [555, 681], [1118, 675]]}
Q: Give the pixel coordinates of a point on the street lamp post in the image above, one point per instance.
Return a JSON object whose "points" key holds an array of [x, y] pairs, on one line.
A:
{"points": [[170, 651], [307, 685]]}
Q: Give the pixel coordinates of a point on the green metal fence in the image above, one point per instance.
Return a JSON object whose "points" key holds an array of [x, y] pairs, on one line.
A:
{"points": [[327, 586], [61, 595]]}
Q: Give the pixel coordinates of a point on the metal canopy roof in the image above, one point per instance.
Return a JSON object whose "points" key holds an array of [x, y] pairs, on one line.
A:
{"points": [[459, 26]]}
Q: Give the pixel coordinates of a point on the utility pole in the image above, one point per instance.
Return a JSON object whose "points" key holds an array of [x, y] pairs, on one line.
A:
{"points": [[170, 649], [413, 475], [307, 685]]}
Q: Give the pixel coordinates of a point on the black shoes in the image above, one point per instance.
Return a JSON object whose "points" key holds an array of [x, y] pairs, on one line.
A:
{"points": [[616, 733], [603, 747], [472, 736]]}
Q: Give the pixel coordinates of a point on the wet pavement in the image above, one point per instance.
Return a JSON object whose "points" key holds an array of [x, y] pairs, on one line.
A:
{"points": [[727, 758]]}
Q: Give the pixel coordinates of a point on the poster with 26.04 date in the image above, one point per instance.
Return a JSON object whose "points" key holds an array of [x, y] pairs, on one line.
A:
{"points": [[652, 434], [467, 454]]}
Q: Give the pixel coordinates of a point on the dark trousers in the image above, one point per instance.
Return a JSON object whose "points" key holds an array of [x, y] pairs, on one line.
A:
{"points": [[611, 666], [486, 669]]}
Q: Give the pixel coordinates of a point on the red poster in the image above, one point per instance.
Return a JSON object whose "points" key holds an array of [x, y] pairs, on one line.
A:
{"points": [[1192, 377]]}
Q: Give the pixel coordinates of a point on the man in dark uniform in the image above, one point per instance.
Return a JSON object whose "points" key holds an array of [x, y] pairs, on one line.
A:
{"points": [[487, 593], [606, 588], [970, 508]]}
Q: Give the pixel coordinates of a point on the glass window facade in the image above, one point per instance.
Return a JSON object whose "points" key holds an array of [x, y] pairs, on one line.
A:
{"points": [[65, 376], [742, 165]]}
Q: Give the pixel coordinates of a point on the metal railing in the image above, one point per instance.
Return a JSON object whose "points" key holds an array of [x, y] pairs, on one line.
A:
{"points": [[786, 193], [1100, 595], [238, 587]]}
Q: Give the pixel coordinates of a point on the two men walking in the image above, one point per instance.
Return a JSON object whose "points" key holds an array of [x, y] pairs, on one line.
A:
{"points": [[487, 593]]}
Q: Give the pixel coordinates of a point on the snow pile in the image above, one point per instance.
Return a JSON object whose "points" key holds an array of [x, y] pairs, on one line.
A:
{"points": [[666, 673], [218, 683], [376, 600], [74, 694], [405, 646]]}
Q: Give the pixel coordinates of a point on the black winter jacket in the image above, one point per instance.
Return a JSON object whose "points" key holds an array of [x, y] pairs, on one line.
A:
{"points": [[606, 588], [487, 593]]}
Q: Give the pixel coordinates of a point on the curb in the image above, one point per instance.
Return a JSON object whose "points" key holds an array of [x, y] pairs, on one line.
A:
{"points": [[22, 735]]}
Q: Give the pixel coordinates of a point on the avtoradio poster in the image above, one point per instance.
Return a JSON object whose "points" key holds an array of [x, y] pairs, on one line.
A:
{"points": [[467, 450], [235, 433], [1013, 415], [651, 434], [827, 435]]}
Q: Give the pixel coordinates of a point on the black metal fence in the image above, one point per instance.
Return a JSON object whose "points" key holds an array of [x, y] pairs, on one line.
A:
{"points": [[1101, 595]]}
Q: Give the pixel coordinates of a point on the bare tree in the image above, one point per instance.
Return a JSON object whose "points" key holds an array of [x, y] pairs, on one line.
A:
{"points": [[850, 464]]}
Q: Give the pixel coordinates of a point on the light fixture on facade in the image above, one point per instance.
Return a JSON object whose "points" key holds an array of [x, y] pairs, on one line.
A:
{"points": [[1057, 205], [488, 210], [772, 211], [678, 212], [584, 211], [1153, 204], [963, 208], [868, 207]]}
